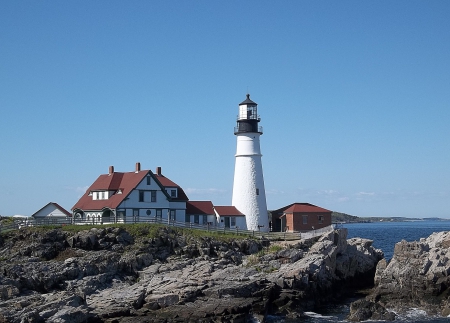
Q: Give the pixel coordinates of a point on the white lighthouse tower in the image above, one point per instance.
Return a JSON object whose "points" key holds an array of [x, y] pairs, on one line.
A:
{"points": [[249, 195]]}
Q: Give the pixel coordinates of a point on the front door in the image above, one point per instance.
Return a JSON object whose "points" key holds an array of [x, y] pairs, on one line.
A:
{"points": [[227, 222]]}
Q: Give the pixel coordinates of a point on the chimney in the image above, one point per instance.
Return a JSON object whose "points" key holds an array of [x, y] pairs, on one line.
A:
{"points": [[138, 167], [158, 171], [111, 170]]}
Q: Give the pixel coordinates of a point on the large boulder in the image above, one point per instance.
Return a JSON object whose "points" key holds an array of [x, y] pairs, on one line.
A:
{"points": [[418, 276]]}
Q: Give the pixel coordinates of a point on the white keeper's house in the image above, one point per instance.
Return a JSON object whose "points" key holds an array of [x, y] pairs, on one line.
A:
{"points": [[128, 196], [143, 195]]}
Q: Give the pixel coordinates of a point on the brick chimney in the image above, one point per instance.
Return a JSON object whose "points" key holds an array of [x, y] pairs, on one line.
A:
{"points": [[138, 167], [158, 171], [111, 170]]}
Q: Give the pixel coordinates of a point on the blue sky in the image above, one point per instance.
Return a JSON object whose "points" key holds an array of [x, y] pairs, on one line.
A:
{"points": [[354, 98]]}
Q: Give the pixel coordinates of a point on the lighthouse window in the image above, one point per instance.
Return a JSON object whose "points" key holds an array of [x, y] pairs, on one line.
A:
{"points": [[257, 191]]}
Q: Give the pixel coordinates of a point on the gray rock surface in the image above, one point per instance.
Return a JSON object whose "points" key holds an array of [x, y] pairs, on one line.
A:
{"points": [[418, 276], [110, 275]]}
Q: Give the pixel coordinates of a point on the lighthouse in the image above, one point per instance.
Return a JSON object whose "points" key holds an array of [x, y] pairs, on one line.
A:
{"points": [[249, 195]]}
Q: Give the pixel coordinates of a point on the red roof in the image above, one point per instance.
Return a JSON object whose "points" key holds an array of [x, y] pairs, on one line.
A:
{"points": [[126, 182], [228, 211], [199, 207], [59, 207], [167, 183], [305, 207]]}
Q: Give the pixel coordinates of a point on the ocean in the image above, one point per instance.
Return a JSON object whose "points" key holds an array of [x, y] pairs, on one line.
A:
{"points": [[384, 235]]}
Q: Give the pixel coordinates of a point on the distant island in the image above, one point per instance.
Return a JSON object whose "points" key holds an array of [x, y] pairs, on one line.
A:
{"points": [[338, 217]]}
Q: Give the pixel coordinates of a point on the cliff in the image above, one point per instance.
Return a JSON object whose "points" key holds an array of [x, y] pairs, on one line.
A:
{"points": [[161, 274], [418, 276]]}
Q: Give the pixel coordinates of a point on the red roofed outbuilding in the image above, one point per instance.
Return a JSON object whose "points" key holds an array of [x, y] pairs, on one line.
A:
{"points": [[51, 210], [230, 217], [300, 217], [200, 212]]}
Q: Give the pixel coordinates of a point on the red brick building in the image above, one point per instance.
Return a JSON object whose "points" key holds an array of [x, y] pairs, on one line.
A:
{"points": [[300, 217]]}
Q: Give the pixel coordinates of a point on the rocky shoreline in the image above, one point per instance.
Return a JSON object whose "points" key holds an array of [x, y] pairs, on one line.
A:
{"points": [[110, 275], [418, 276]]}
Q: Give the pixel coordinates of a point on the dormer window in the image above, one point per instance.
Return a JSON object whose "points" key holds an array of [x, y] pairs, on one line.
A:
{"points": [[173, 193], [99, 195]]}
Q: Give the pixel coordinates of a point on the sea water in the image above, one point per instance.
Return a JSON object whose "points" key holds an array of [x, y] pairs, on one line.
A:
{"points": [[384, 235]]}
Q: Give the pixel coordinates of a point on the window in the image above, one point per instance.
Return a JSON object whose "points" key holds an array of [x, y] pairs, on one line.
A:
{"points": [[153, 196], [187, 218], [141, 196], [257, 191], [148, 212], [135, 212], [173, 216], [305, 219], [121, 213], [233, 221], [173, 193], [158, 213], [149, 180], [320, 219], [205, 219], [196, 219]]}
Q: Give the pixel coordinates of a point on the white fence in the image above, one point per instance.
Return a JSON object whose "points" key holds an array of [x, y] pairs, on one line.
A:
{"points": [[141, 219]]}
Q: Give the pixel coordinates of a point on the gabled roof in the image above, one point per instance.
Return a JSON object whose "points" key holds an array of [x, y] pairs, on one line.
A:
{"points": [[305, 207], [126, 183], [199, 207], [56, 205], [228, 211], [167, 183]]}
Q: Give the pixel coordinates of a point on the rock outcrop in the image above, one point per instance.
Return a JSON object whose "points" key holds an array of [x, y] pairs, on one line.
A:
{"points": [[111, 275], [418, 276]]}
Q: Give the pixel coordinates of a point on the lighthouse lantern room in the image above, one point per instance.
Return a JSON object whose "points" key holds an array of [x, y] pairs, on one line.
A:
{"points": [[249, 195]]}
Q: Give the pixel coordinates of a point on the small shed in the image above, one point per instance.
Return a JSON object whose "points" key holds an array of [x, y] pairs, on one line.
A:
{"points": [[230, 217], [300, 217], [200, 212], [52, 210]]}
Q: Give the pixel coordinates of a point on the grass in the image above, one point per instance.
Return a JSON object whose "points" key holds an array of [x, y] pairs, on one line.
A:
{"points": [[146, 230], [275, 248]]}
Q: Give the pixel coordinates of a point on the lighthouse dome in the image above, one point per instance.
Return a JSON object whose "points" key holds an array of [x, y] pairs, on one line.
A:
{"points": [[247, 101]]}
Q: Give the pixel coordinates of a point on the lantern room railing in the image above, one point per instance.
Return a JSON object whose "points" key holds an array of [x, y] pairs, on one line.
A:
{"points": [[237, 130]]}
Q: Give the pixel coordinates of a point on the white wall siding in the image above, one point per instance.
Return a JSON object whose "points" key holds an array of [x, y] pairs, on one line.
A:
{"points": [[49, 210], [241, 222]]}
